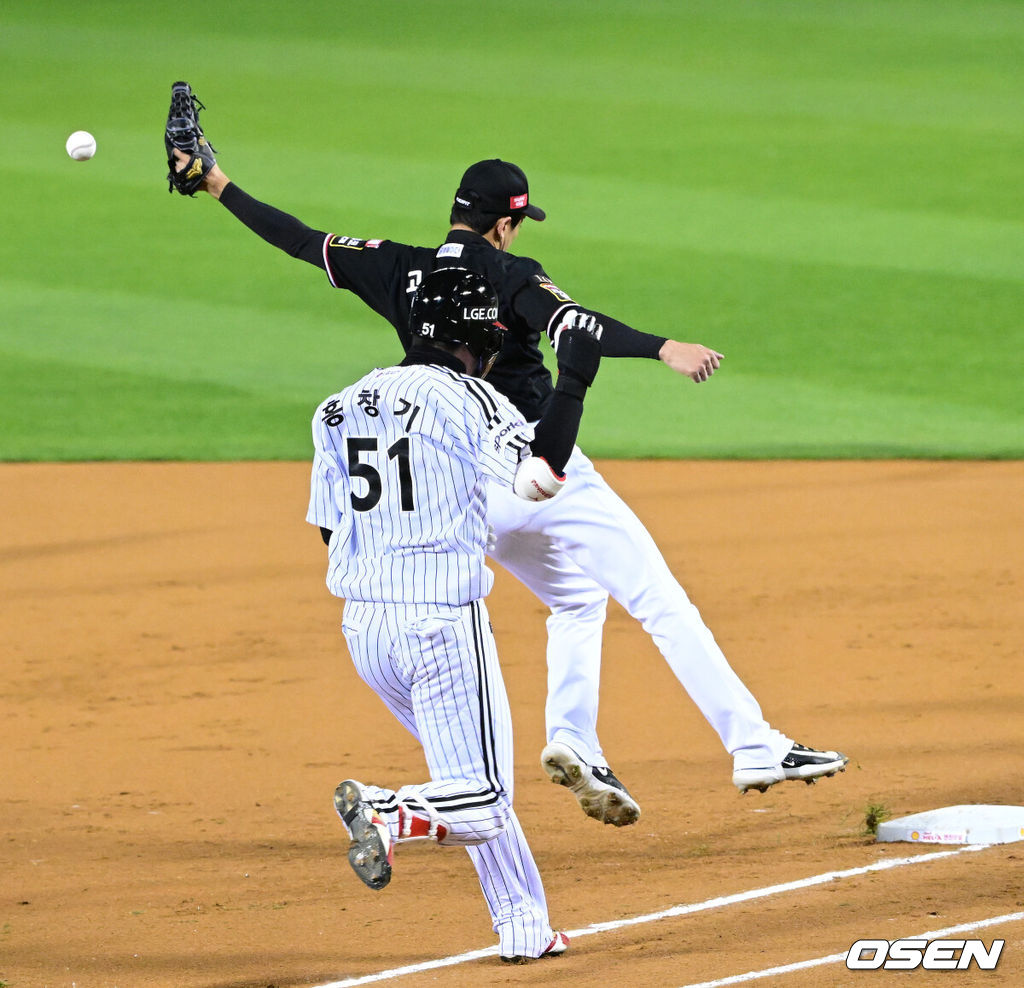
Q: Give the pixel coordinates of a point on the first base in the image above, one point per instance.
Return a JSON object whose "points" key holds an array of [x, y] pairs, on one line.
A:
{"points": [[957, 825]]}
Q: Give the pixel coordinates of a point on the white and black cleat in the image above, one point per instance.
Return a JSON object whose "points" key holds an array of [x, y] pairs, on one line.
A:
{"points": [[801, 764], [598, 791]]}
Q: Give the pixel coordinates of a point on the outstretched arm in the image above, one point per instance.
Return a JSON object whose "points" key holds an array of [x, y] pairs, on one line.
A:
{"points": [[276, 227], [692, 360], [543, 305]]}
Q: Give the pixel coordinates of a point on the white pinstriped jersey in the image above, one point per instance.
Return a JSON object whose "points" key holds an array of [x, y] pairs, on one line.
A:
{"points": [[399, 470]]}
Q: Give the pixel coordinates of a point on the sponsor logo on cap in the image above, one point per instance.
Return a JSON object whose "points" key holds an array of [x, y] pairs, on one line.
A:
{"points": [[519, 202], [463, 202], [480, 313]]}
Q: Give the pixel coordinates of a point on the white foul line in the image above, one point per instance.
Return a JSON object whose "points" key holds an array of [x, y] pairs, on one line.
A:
{"points": [[686, 910], [769, 972]]}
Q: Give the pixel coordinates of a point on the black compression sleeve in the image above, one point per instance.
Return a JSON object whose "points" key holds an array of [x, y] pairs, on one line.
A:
{"points": [[555, 433], [276, 227], [620, 340]]}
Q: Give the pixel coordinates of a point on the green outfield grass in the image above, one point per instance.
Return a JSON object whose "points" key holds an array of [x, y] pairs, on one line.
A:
{"points": [[830, 193]]}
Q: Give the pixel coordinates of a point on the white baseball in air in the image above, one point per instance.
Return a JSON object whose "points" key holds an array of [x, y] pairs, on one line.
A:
{"points": [[81, 145]]}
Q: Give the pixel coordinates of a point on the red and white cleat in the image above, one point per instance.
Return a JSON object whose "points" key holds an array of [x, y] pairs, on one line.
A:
{"points": [[559, 945]]}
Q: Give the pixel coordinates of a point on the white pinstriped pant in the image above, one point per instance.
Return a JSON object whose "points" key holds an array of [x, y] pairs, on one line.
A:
{"points": [[436, 668]]}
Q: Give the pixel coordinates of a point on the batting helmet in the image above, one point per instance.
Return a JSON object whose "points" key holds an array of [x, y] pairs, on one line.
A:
{"points": [[454, 305]]}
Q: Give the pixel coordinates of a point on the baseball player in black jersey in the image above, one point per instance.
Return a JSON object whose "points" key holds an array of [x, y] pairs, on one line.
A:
{"points": [[575, 550]]}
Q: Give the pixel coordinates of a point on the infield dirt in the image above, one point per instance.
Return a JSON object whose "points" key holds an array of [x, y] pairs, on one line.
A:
{"points": [[178, 706]]}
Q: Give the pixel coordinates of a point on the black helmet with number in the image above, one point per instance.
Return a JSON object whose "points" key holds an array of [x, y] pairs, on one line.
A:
{"points": [[454, 305]]}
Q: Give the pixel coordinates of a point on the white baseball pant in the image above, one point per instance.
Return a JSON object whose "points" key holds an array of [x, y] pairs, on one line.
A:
{"points": [[436, 668], [575, 549]]}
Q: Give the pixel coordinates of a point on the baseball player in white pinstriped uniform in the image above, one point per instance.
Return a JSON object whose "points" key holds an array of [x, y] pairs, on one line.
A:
{"points": [[402, 462]]}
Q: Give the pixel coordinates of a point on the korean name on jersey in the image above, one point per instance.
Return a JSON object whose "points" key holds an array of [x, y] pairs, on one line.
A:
{"points": [[399, 470]]}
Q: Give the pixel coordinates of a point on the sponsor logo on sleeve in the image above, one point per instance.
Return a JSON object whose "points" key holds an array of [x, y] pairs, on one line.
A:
{"points": [[499, 436], [353, 243], [557, 292]]}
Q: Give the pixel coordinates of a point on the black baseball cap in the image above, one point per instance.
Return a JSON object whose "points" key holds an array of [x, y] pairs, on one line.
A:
{"points": [[496, 186]]}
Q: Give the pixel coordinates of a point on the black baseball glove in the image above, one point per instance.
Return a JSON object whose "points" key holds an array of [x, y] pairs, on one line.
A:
{"points": [[184, 133]]}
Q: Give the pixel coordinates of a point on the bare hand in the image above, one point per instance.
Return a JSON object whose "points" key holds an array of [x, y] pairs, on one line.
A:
{"points": [[694, 360]]}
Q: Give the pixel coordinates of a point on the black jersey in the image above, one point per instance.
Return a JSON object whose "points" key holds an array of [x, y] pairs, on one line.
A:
{"points": [[385, 275]]}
